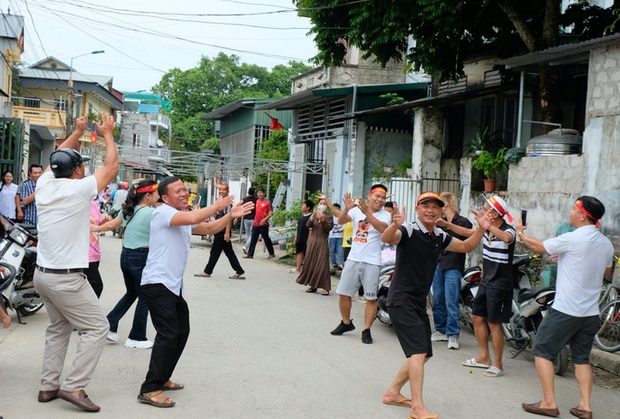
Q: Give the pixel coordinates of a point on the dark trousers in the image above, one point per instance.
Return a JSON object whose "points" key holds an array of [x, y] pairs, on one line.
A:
{"points": [[170, 316], [133, 262], [94, 277], [260, 231], [218, 245]]}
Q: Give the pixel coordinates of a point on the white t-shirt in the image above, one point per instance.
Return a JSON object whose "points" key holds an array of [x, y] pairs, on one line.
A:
{"points": [[63, 207], [583, 256], [366, 245], [168, 251]]}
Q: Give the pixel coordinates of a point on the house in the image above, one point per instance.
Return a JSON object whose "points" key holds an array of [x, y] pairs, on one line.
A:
{"points": [[349, 148], [242, 128], [145, 136], [44, 99], [12, 130]]}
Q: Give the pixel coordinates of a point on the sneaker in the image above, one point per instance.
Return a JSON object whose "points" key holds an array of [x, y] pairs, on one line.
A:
{"points": [[453, 342], [112, 337], [366, 337], [139, 344], [271, 256], [439, 337], [342, 328]]}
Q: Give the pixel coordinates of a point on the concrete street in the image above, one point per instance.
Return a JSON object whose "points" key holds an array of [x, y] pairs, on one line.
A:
{"points": [[261, 348]]}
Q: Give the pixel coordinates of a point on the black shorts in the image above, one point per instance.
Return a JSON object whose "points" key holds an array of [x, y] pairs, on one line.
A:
{"points": [[300, 248], [557, 329], [493, 304], [413, 330]]}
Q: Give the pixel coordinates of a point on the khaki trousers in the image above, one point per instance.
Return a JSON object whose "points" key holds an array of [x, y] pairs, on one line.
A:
{"points": [[70, 303]]}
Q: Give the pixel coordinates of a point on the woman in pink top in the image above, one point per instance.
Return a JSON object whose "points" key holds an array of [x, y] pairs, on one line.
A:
{"points": [[94, 251]]}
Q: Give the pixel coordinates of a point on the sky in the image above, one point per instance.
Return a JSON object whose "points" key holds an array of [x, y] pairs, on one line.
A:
{"points": [[143, 40]]}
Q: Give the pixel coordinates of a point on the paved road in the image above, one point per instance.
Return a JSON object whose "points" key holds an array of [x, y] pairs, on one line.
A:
{"points": [[261, 348]]}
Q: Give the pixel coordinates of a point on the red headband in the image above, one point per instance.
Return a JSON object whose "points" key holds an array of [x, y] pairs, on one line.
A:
{"points": [[378, 189], [147, 189], [579, 206]]}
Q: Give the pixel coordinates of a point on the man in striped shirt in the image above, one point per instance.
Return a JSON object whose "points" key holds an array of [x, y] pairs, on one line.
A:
{"points": [[24, 199], [493, 301]]}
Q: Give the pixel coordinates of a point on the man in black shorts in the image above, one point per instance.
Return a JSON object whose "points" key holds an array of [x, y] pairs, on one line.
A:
{"points": [[419, 245], [493, 301]]}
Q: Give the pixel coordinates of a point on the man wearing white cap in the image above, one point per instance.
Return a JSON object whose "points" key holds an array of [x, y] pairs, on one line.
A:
{"points": [[494, 299]]}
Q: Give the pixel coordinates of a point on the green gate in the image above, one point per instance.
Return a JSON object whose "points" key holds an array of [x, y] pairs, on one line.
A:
{"points": [[12, 147]]}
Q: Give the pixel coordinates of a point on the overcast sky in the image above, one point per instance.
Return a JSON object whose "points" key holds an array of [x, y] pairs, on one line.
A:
{"points": [[143, 39]]}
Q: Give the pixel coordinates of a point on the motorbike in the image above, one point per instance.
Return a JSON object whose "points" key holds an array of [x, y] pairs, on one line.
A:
{"points": [[528, 309], [469, 288], [18, 257], [385, 279]]}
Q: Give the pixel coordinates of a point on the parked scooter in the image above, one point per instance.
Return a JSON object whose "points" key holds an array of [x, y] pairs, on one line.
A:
{"points": [[18, 258], [470, 283], [385, 279], [528, 309]]}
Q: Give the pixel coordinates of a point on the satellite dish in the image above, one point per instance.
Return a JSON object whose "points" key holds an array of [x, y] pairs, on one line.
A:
{"points": [[160, 143]]}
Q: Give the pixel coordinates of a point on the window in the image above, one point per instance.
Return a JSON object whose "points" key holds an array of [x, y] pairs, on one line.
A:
{"points": [[32, 102], [499, 114], [137, 140], [60, 104]]}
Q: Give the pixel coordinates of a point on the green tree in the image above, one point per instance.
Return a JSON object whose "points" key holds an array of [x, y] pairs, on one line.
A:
{"points": [[447, 32], [212, 84]]}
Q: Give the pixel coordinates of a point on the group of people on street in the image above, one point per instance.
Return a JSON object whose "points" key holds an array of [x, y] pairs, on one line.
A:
{"points": [[430, 252]]}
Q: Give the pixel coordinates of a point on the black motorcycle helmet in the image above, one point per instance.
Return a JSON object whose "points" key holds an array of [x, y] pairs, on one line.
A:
{"points": [[64, 161]]}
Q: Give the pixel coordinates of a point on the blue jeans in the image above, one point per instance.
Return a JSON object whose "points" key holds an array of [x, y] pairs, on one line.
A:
{"points": [[446, 289], [132, 264], [335, 250]]}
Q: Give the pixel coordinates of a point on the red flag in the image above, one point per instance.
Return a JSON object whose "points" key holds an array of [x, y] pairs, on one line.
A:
{"points": [[274, 124], [93, 137]]}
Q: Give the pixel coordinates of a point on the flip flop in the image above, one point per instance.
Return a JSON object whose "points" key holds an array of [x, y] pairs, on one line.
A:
{"points": [[146, 398], [433, 416], [202, 275], [473, 364], [237, 276], [493, 372], [400, 402]]}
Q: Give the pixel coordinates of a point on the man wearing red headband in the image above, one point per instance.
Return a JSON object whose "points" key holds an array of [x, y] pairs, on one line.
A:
{"points": [[493, 301], [364, 262], [584, 257]]}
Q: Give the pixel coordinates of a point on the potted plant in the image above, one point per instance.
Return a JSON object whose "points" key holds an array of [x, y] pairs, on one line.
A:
{"points": [[490, 164]]}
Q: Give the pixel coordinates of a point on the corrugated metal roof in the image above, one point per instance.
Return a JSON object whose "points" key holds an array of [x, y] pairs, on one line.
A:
{"points": [[231, 107], [562, 54], [11, 26]]}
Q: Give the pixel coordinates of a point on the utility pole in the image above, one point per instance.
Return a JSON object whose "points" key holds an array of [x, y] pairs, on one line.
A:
{"points": [[70, 120]]}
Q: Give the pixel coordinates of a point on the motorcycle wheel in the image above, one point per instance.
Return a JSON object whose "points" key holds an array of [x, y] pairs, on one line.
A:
{"points": [[509, 335], [29, 309], [560, 364], [608, 336]]}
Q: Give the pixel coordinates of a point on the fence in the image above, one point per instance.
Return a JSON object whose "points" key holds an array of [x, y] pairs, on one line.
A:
{"points": [[404, 191]]}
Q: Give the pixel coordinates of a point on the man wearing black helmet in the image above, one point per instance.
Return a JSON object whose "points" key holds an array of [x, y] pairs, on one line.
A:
{"points": [[63, 202]]}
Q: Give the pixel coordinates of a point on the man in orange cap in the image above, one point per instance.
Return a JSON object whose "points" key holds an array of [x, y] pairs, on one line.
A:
{"points": [[493, 301], [221, 242]]}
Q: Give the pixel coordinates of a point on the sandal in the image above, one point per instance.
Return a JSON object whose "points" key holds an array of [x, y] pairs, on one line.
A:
{"points": [[324, 292], [311, 290], [160, 399], [171, 385], [237, 276], [202, 275]]}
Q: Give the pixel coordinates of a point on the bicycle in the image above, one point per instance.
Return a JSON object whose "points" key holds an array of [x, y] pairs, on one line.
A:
{"points": [[608, 336]]}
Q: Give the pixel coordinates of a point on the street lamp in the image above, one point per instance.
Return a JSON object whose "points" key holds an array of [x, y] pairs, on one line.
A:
{"points": [[71, 91]]}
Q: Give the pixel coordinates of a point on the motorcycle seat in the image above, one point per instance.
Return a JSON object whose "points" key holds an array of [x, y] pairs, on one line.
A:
{"points": [[520, 260], [529, 294]]}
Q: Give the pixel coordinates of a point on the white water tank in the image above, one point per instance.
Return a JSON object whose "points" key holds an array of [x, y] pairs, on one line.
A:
{"points": [[558, 142]]}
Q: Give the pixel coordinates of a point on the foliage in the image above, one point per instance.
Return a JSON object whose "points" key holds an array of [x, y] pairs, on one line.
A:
{"points": [[211, 144], [283, 216], [491, 163], [483, 140], [447, 32], [275, 147], [383, 170], [212, 84]]}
